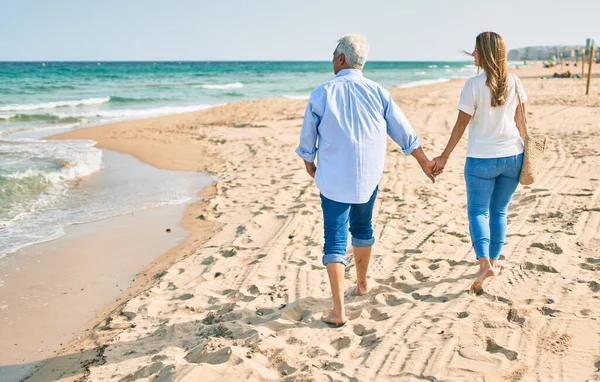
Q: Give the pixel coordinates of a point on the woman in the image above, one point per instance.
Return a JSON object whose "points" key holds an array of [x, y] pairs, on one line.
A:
{"points": [[488, 105]]}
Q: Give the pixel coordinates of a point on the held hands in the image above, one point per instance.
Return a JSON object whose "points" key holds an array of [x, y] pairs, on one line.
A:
{"points": [[429, 168]]}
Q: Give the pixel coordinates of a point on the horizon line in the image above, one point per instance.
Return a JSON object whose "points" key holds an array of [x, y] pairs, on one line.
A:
{"points": [[218, 61]]}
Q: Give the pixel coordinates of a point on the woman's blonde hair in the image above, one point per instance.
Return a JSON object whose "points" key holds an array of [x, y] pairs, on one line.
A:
{"points": [[493, 60]]}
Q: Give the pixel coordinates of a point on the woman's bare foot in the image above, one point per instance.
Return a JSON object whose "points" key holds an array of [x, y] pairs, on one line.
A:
{"points": [[483, 274], [361, 288], [335, 319]]}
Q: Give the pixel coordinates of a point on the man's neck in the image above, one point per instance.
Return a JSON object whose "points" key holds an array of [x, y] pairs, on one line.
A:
{"points": [[347, 68]]}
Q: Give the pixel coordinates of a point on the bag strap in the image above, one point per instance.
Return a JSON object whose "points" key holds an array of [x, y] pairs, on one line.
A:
{"points": [[520, 105]]}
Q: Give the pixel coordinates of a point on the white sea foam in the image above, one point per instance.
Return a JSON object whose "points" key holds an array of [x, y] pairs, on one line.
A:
{"points": [[420, 73], [74, 159], [432, 66], [54, 105], [122, 114], [423, 82], [7, 116], [235, 85]]}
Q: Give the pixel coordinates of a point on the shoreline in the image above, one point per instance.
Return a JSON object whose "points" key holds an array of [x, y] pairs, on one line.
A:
{"points": [[247, 123], [105, 258]]}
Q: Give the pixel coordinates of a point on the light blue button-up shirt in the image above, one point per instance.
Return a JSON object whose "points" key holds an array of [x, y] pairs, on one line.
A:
{"points": [[350, 118]]}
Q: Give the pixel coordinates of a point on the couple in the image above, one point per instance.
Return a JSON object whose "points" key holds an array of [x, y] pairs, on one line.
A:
{"points": [[350, 118]]}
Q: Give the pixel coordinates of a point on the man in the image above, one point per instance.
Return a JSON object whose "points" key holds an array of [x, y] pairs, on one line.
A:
{"points": [[350, 117]]}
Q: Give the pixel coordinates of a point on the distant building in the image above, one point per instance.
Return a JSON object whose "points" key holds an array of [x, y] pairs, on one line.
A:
{"points": [[588, 44], [533, 53]]}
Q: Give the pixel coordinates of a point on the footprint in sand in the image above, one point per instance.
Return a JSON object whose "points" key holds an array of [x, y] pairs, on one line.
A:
{"points": [[228, 252], [361, 330], [341, 343], [202, 355], [147, 371], [392, 300], [377, 315], [538, 267], [462, 315], [208, 261], [514, 316], [429, 298], [547, 311], [549, 247], [493, 348]]}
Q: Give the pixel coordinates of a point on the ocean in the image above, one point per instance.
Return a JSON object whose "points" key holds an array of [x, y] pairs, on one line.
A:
{"points": [[39, 180]]}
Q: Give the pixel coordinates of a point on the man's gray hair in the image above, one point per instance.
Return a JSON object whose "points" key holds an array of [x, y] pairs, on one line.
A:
{"points": [[355, 48]]}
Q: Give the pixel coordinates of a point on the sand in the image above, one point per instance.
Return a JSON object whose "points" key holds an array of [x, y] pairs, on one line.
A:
{"points": [[246, 303]]}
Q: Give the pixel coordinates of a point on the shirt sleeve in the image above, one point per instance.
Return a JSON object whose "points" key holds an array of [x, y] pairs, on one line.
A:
{"points": [[467, 102], [520, 89], [398, 127], [307, 149]]}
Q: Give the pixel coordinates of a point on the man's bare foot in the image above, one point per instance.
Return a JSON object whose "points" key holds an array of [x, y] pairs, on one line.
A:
{"points": [[335, 319], [483, 274], [361, 288]]}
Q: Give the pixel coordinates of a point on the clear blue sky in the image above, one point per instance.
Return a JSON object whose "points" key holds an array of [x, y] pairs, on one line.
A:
{"points": [[280, 29]]}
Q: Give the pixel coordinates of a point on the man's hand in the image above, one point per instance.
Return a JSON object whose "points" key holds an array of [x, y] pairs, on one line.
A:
{"points": [[311, 169], [426, 164]]}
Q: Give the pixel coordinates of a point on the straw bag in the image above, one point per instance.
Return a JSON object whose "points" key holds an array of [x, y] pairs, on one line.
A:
{"points": [[534, 148]]}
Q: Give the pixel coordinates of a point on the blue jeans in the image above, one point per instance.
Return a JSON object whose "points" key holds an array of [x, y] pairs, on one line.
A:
{"points": [[336, 216], [491, 184]]}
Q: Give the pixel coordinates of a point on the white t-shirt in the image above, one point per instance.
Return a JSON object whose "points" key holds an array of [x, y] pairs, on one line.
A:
{"points": [[493, 132]]}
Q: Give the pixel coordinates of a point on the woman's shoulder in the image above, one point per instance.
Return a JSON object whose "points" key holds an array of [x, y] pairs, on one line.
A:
{"points": [[479, 78], [513, 77], [476, 80]]}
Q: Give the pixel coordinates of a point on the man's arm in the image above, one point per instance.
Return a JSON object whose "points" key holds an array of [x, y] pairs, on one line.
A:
{"points": [[307, 149], [401, 132]]}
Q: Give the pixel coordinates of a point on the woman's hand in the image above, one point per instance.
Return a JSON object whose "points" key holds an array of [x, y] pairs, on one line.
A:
{"points": [[440, 164]]}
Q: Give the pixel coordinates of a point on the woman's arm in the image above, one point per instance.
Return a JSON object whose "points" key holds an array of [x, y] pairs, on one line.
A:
{"points": [[521, 121], [459, 129]]}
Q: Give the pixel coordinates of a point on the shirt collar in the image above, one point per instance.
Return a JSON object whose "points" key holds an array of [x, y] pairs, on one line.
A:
{"points": [[347, 72]]}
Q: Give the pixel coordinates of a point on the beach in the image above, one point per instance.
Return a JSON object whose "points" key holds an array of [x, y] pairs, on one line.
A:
{"points": [[241, 297]]}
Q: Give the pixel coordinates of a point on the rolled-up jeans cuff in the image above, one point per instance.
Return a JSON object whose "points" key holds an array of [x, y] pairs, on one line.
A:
{"points": [[335, 258], [363, 242]]}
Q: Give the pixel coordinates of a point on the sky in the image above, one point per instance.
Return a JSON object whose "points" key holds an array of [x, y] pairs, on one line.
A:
{"points": [[398, 30]]}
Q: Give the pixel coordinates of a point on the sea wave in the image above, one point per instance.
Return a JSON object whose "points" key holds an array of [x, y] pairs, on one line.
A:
{"points": [[423, 82], [73, 159], [420, 73], [35, 178], [54, 105], [234, 85], [133, 113], [47, 118], [432, 66], [118, 99]]}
